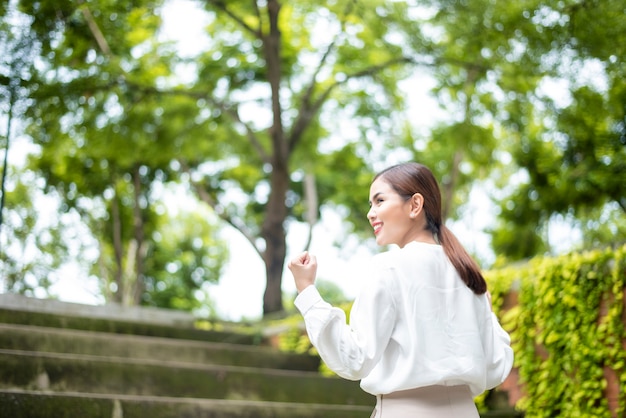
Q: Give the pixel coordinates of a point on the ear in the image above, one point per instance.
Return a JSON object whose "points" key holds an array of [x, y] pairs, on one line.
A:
{"points": [[417, 204]]}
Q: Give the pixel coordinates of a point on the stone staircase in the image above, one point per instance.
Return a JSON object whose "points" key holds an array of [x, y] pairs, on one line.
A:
{"points": [[60, 360]]}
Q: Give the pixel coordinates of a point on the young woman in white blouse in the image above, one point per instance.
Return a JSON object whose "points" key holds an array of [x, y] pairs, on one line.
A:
{"points": [[422, 337]]}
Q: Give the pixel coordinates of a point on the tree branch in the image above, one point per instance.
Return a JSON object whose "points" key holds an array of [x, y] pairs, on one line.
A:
{"points": [[308, 112], [221, 5], [252, 137], [95, 30], [204, 196], [230, 110], [255, 6], [271, 50], [312, 205]]}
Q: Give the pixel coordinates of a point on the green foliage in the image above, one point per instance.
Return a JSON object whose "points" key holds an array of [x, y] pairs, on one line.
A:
{"points": [[569, 142], [294, 339], [349, 191], [284, 77], [33, 248], [321, 49], [188, 253], [107, 139], [331, 292], [279, 94], [568, 331]]}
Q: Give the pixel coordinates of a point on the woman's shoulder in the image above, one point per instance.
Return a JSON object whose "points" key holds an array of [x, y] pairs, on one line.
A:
{"points": [[412, 251], [397, 260], [385, 260], [426, 261]]}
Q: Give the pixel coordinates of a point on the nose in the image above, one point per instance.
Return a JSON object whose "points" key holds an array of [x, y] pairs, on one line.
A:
{"points": [[371, 214]]}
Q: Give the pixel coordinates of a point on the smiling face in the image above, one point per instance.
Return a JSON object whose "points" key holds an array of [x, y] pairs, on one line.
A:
{"points": [[392, 216]]}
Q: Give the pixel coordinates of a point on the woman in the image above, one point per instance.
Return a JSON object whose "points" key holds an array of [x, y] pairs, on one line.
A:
{"points": [[422, 337]]}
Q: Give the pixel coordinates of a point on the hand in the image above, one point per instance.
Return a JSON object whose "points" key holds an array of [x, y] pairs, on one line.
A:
{"points": [[304, 269]]}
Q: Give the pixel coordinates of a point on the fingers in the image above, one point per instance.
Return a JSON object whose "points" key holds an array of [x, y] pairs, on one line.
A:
{"points": [[302, 259], [309, 259], [296, 261]]}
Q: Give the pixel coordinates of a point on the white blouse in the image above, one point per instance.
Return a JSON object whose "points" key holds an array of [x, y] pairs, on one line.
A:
{"points": [[414, 324]]}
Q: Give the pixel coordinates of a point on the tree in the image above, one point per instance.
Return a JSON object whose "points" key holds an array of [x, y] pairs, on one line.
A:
{"points": [[104, 89], [282, 75], [33, 247], [107, 140], [188, 253], [16, 50], [24, 269], [546, 158], [295, 103], [572, 149], [461, 149]]}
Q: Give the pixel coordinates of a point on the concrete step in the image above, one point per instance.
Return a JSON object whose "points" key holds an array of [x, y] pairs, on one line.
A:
{"points": [[58, 340], [18, 403], [62, 360], [110, 311], [61, 372], [114, 325]]}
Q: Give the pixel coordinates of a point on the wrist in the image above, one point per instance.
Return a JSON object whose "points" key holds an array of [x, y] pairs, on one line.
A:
{"points": [[300, 288]]}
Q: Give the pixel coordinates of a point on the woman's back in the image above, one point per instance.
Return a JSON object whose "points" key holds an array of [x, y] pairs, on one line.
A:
{"points": [[439, 322]]}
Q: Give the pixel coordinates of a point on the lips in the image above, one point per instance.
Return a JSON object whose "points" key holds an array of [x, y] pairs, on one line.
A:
{"points": [[377, 227]]}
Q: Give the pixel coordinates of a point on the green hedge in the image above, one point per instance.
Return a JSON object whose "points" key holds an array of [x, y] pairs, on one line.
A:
{"points": [[568, 332]]}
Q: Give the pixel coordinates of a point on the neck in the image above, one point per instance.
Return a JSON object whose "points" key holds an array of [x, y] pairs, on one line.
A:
{"points": [[426, 236], [422, 235]]}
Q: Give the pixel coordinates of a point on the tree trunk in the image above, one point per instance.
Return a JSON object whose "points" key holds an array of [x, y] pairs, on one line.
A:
{"points": [[273, 229], [138, 228], [6, 156], [117, 248], [274, 234], [449, 185]]}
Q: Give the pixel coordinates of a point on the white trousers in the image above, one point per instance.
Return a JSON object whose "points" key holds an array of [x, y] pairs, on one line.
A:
{"points": [[427, 402]]}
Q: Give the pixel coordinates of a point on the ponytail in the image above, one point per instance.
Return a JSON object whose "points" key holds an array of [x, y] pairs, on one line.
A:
{"points": [[463, 263]]}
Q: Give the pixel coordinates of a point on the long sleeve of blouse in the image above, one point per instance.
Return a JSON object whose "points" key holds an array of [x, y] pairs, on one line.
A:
{"points": [[414, 324]]}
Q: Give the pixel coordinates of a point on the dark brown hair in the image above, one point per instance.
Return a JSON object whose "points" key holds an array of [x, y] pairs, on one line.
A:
{"points": [[410, 178]]}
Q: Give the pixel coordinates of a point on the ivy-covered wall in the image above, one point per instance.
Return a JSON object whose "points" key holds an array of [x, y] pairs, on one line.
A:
{"points": [[567, 319]]}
